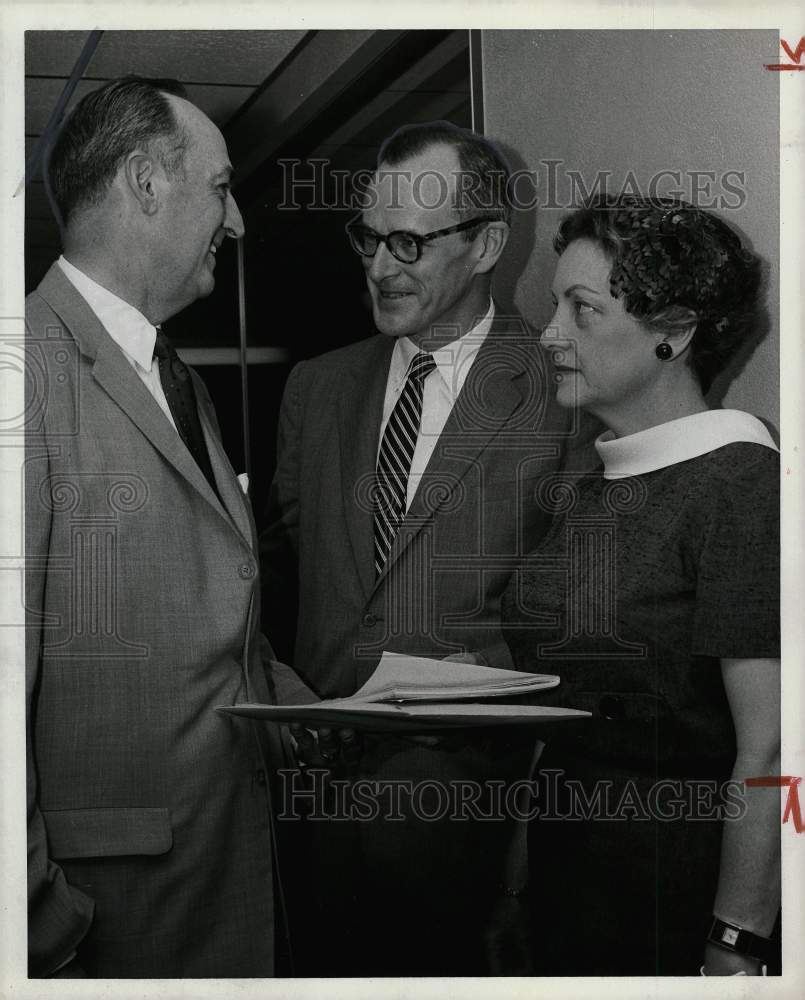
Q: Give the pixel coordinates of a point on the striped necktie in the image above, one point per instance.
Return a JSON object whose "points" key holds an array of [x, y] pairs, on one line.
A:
{"points": [[394, 459]]}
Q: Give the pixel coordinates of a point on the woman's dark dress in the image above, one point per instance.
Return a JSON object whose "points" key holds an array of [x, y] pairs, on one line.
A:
{"points": [[643, 584]]}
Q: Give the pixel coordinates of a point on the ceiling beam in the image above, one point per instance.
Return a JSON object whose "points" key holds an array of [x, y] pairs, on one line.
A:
{"points": [[328, 64], [399, 89], [35, 160]]}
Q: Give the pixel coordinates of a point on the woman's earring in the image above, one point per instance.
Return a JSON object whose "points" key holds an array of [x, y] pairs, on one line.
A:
{"points": [[664, 351]]}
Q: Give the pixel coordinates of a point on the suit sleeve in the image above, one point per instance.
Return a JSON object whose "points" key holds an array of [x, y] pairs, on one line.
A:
{"points": [[279, 543], [284, 683], [58, 914], [498, 655], [285, 686]]}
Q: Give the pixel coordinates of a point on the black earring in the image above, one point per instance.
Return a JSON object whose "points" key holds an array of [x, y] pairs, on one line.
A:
{"points": [[664, 351]]}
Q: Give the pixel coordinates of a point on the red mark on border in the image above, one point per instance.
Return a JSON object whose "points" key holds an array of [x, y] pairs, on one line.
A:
{"points": [[792, 801], [794, 56]]}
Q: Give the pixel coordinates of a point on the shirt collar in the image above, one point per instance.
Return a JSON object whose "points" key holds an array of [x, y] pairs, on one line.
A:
{"points": [[127, 326], [453, 361], [678, 441]]}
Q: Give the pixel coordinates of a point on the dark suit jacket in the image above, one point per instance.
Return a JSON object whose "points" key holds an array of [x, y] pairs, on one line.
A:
{"points": [[150, 843], [471, 520]]}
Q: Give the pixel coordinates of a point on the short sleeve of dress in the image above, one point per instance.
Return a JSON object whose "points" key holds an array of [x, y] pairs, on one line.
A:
{"points": [[738, 575]]}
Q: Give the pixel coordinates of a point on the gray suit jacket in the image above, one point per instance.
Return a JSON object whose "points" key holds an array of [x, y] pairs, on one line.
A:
{"points": [[471, 521], [150, 840]]}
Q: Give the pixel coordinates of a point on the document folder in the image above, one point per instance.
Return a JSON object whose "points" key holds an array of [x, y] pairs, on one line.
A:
{"points": [[415, 693]]}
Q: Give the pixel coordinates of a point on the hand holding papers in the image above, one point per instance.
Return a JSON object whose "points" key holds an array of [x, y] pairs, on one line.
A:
{"points": [[415, 693]]}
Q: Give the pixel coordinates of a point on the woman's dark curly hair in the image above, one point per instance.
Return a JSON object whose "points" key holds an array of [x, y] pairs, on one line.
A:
{"points": [[674, 265]]}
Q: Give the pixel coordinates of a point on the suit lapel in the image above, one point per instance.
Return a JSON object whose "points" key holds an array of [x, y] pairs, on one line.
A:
{"points": [[229, 489], [496, 386], [360, 416], [112, 371]]}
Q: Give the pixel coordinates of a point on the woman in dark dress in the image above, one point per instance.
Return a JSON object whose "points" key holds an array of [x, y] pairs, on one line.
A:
{"points": [[655, 598]]}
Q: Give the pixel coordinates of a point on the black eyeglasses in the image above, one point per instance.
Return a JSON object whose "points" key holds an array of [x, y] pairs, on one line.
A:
{"points": [[405, 246]]}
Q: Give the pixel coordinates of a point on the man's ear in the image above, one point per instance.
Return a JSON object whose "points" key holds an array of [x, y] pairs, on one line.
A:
{"points": [[493, 241], [139, 173]]}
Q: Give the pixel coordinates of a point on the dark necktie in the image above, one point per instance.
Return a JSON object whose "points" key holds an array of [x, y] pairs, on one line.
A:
{"points": [[178, 388], [395, 456]]}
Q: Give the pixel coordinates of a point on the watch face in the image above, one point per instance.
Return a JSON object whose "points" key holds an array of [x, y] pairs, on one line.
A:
{"points": [[730, 935]]}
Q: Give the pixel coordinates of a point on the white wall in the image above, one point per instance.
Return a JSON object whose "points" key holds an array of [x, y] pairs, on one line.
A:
{"points": [[644, 101]]}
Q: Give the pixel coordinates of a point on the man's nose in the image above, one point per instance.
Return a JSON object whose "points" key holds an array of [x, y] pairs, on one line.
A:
{"points": [[382, 265], [233, 221]]}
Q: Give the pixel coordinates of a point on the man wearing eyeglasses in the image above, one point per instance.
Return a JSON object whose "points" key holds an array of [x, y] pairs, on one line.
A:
{"points": [[403, 499]]}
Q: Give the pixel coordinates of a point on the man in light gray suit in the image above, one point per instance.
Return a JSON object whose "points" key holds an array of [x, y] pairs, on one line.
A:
{"points": [[401, 534], [149, 817]]}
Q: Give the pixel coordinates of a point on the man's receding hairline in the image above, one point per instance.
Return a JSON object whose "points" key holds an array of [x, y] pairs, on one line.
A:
{"points": [[185, 116], [176, 99], [437, 144], [450, 175], [187, 119]]}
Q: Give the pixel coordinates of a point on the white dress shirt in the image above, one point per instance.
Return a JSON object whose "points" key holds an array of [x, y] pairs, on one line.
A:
{"points": [[440, 390], [127, 326]]}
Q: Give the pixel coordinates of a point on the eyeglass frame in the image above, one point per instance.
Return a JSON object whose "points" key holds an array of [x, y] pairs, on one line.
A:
{"points": [[419, 239]]}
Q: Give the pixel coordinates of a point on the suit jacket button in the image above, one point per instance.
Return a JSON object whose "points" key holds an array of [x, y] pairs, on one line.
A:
{"points": [[246, 571], [369, 619]]}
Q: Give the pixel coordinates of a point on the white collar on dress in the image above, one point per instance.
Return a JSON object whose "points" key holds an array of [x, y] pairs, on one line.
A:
{"points": [[677, 441]]}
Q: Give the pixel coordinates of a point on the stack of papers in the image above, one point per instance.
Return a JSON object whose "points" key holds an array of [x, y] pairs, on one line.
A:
{"points": [[416, 678], [414, 693]]}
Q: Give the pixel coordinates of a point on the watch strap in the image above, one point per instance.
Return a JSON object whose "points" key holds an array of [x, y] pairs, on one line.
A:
{"points": [[735, 938]]}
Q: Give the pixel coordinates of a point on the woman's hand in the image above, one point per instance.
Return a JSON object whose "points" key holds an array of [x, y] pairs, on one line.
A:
{"points": [[720, 962]]}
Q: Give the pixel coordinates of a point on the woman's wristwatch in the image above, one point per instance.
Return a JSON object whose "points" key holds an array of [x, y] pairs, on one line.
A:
{"points": [[734, 938]]}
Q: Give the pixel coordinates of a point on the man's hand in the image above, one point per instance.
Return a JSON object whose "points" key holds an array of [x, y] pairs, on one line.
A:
{"points": [[477, 658], [325, 747]]}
